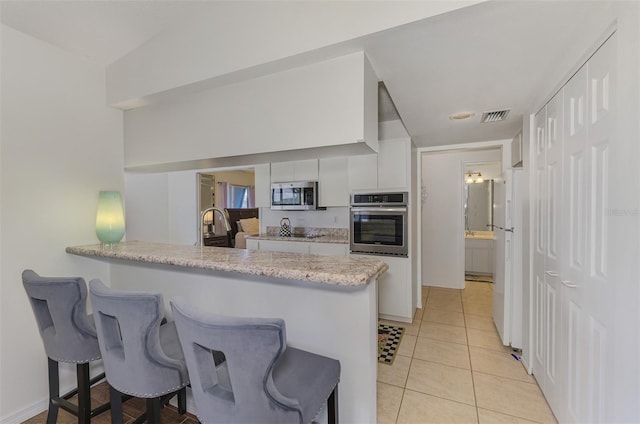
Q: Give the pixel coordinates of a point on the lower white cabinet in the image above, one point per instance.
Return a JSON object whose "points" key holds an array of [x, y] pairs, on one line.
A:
{"points": [[328, 249], [337, 249], [394, 286], [394, 289], [283, 246], [478, 256]]}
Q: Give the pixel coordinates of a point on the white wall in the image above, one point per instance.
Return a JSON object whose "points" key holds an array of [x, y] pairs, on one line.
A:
{"points": [[162, 207], [443, 216], [314, 106], [254, 38], [337, 217], [61, 144]]}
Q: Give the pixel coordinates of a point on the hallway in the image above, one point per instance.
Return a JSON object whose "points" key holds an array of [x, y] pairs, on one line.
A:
{"points": [[451, 367]]}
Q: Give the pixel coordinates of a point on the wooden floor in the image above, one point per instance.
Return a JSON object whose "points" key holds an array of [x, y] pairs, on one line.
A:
{"points": [[131, 409]]}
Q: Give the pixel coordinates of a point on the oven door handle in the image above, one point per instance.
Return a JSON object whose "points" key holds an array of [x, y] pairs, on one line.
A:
{"points": [[359, 210]]}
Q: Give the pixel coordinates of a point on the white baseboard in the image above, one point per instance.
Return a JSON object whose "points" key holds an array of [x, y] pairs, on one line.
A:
{"points": [[41, 405], [29, 412]]}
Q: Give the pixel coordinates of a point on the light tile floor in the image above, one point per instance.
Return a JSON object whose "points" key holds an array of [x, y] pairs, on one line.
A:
{"points": [[451, 367]]}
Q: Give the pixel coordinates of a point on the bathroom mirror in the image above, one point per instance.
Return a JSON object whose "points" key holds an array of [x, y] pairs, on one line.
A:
{"points": [[478, 206]]}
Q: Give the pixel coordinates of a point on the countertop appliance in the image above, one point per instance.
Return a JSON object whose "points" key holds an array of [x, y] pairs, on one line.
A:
{"points": [[379, 223], [294, 196]]}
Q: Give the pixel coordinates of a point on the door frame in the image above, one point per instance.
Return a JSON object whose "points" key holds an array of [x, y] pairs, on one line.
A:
{"points": [[503, 144]]}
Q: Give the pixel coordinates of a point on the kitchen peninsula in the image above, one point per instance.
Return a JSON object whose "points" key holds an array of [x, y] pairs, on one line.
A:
{"points": [[329, 303]]}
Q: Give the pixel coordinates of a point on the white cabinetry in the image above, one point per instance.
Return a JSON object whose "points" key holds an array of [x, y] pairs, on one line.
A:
{"points": [[337, 249], [262, 186], [389, 169], [394, 158], [332, 182], [478, 256], [394, 289], [363, 172], [299, 170]]}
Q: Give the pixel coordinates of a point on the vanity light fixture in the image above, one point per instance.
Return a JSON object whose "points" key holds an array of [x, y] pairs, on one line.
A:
{"points": [[474, 177], [110, 217]]}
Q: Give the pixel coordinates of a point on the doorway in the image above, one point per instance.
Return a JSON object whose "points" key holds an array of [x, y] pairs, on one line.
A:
{"points": [[223, 189], [478, 208], [442, 218]]}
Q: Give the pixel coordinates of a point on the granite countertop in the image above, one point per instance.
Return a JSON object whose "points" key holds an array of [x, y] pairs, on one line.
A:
{"points": [[312, 239], [334, 270]]}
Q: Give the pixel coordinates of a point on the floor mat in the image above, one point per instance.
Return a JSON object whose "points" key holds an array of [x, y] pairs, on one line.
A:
{"points": [[389, 338]]}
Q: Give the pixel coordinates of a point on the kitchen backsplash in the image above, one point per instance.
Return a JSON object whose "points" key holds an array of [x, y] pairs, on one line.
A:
{"points": [[333, 232], [331, 218]]}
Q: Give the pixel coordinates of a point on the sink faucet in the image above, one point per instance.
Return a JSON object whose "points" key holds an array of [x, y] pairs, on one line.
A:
{"points": [[225, 221]]}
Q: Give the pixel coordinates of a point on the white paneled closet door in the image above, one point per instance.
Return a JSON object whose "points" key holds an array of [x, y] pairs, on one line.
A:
{"points": [[574, 294], [600, 290], [553, 218], [574, 236], [539, 251]]}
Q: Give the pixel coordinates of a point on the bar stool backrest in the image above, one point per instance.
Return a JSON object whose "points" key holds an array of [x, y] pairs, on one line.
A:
{"points": [[128, 325], [60, 308], [242, 389]]}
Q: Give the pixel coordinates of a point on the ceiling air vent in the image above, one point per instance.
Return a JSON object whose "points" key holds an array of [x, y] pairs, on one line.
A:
{"points": [[495, 116]]}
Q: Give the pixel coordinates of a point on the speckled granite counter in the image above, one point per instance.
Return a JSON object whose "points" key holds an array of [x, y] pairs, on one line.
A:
{"points": [[335, 270]]}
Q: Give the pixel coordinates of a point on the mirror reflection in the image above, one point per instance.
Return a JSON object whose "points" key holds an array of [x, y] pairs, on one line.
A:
{"points": [[478, 206]]}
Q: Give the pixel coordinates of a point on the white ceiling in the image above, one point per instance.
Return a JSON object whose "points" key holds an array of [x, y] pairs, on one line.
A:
{"points": [[493, 55]]}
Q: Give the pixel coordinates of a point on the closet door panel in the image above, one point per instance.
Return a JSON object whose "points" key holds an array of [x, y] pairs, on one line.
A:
{"points": [[539, 252], [601, 289], [574, 237], [555, 345]]}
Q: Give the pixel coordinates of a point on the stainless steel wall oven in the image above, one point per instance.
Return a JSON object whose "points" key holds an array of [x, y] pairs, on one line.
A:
{"points": [[379, 223]]}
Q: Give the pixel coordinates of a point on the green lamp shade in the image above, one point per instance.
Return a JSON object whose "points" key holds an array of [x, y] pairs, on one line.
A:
{"points": [[110, 217]]}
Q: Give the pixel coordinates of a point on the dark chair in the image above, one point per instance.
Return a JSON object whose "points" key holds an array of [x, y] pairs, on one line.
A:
{"points": [[69, 335], [142, 358], [262, 379]]}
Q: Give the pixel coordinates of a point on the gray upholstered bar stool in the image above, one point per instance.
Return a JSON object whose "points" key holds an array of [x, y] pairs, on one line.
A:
{"points": [[68, 334], [142, 358], [262, 380]]}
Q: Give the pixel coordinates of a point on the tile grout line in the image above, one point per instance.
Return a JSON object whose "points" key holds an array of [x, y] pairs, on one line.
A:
{"points": [[473, 382]]}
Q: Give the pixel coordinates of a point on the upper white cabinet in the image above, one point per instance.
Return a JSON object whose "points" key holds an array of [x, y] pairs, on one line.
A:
{"points": [[263, 188], [393, 163], [389, 169], [363, 171], [299, 170], [305, 170], [332, 187]]}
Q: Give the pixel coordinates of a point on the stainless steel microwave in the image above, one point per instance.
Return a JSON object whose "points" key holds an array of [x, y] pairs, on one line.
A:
{"points": [[294, 196]]}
